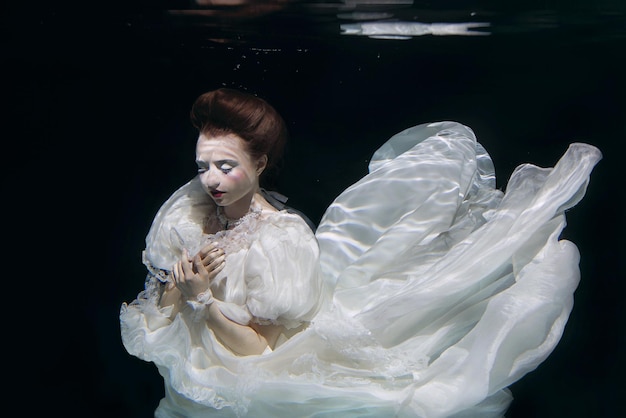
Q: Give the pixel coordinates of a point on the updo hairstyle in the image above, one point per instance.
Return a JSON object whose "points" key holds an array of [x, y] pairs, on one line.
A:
{"points": [[227, 111]]}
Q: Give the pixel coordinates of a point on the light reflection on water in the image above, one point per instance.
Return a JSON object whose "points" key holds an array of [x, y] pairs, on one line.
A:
{"points": [[406, 30], [243, 21]]}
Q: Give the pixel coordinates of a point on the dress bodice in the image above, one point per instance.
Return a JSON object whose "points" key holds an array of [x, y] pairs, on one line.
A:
{"points": [[271, 272]]}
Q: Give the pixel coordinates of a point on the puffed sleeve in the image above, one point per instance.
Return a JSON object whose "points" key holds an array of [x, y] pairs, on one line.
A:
{"points": [[177, 225], [281, 270]]}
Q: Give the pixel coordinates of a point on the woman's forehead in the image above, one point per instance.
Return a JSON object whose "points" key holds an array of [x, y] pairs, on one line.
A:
{"points": [[224, 145]]}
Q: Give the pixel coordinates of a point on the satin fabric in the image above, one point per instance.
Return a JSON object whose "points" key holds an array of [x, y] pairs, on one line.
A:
{"points": [[425, 292]]}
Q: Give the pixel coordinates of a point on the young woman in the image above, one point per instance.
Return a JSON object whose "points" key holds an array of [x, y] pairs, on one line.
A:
{"points": [[224, 262], [424, 292]]}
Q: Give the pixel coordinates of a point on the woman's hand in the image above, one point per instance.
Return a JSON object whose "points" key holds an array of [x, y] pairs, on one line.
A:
{"points": [[194, 275]]}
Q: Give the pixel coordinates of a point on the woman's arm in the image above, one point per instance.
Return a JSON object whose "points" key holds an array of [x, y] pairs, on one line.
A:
{"points": [[242, 340], [192, 277], [171, 296]]}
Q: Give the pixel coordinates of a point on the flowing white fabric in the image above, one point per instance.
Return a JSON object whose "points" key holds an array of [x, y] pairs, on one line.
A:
{"points": [[433, 290]]}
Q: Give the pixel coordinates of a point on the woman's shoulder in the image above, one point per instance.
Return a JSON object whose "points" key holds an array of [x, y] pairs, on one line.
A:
{"points": [[277, 202], [282, 232], [285, 222]]}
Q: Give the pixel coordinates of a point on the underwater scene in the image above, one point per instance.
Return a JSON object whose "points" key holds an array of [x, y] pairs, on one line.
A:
{"points": [[103, 94]]}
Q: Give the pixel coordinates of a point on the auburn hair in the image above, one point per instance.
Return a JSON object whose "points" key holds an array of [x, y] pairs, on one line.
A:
{"points": [[227, 111]]}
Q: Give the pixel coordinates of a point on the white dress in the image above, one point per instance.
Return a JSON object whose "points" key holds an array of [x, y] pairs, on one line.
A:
{"points": [[424, 292]]}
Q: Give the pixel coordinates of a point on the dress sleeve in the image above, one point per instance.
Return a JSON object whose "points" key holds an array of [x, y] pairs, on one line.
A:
{"points": [[281, 271], [177, 226]]}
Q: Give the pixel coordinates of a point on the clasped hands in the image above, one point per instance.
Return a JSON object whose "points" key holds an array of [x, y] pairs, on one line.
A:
{"points": [[193, 275]]}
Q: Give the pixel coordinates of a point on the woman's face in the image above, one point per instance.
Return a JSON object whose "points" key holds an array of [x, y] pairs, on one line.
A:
{"points": [[227, 172]]}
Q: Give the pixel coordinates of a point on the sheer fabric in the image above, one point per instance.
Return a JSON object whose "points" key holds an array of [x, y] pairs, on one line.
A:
{"points": [[425, 291]]}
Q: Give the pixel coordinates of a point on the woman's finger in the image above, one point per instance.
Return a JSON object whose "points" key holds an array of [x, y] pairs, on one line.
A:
{"points": [[199, 265], [178, 272], [217, 269], [187, 270], [175, 272], [216, 262], [211, 255], [206, 250]]}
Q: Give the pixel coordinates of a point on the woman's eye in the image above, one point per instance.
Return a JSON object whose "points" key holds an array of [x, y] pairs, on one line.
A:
{"points": [[201, 170], [226, 169]]}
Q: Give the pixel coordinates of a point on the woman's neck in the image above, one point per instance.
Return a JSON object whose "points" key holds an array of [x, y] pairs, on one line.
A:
{"points": [[240, 208]]}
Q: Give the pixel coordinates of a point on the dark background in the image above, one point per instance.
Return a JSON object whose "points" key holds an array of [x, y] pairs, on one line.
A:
{"points": [[97, 99]]}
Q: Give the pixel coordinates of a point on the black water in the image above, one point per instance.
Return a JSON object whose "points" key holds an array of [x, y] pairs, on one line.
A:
{"points": [[98, 98]]}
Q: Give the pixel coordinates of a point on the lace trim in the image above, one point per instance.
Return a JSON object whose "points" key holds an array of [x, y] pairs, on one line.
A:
{"points": [[160, 274], [232, 224], [237, 237]]}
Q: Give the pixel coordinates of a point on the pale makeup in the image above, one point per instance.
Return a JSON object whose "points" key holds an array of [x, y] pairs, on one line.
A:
{"points": [[227, 172]]}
